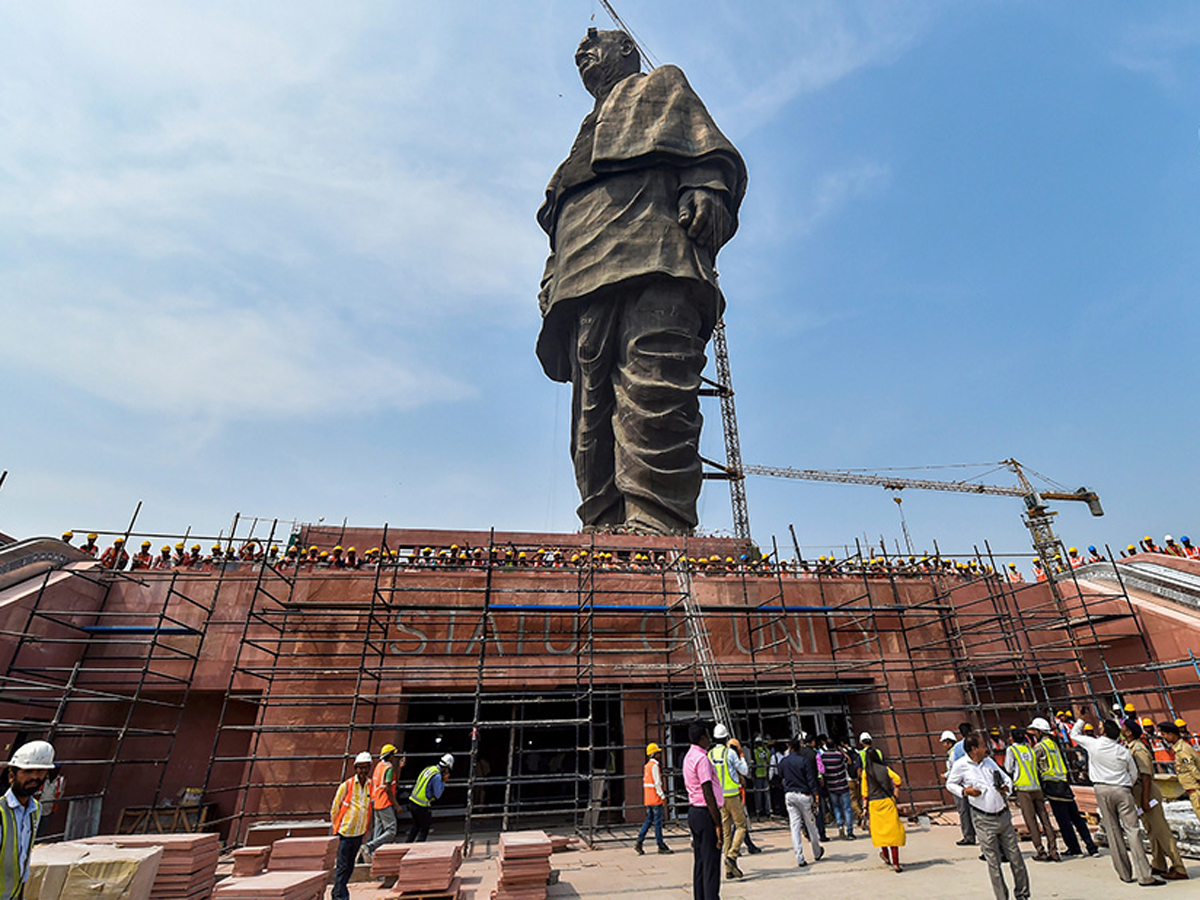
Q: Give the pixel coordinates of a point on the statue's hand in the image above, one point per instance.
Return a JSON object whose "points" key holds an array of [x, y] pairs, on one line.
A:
{"points": [[703, 213]]}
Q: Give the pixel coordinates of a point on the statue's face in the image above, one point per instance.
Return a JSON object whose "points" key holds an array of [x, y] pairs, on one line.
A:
{"points": [[603, 59]]}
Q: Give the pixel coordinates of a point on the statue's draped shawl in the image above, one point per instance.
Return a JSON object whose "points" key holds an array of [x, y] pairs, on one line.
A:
{"points": [[652, 139]]}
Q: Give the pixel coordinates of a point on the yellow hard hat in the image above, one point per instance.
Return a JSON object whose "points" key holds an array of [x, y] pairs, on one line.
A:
{"points": [[337, 548], [1128, 707], [216, 548], [1012, 565], [67, 535], [313, 548], [119, 540], [1147, 538], [652, 748], [1179, 723], [386, 749], [1147, 722], [145, 543], [274, 548], [166, 548], [179, 546], [1072, 550], [1131, 547], [92, 536], [195, 546], [351, 550]]}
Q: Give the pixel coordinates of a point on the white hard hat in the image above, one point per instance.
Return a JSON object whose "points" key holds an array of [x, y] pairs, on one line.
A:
{"points": [[447, 760], [720, 732], [1040, 724], [1168, 538], [364, 757], [34, 755], [949, 736], [865, 737]]}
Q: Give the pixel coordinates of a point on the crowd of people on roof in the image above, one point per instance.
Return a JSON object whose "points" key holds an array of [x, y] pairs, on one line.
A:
{"points": [[251, 551]]}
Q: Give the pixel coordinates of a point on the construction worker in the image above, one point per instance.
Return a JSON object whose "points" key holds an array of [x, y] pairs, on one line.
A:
{"points": [[1014, 574], [1187, 762], [1171, 548], [28, 770], [1021, 766], [115, 556], [1188, 550], [143, 559], [163, 560], [1073, 558], [729, 767], [89, 547], [762, 784], [67, 537], [654, 796], [1038, 572], [179, 556], [351, 816], [383, 799], [194, 558], [1149, 800], [1052, 773], [1094, 555], [430, 784]]}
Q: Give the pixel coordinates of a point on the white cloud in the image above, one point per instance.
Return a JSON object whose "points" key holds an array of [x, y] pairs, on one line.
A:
{"points": [[193, 357], [1163, 50]]}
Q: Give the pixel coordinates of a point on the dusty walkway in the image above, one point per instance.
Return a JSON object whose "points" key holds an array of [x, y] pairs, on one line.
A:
{"points": [[934, 869]]}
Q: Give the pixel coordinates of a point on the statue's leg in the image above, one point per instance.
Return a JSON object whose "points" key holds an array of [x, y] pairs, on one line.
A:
{"points": [[657, 424], [592, 405]]}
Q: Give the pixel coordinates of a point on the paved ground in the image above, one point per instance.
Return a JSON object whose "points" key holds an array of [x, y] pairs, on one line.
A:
{"points": [[934, 869]]}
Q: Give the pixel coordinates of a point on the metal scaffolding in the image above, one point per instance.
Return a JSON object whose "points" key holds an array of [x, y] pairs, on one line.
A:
{"points": [[545, 679]]}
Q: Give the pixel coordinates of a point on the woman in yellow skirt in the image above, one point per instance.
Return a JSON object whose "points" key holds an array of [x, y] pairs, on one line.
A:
{"points": [[879, 785]]}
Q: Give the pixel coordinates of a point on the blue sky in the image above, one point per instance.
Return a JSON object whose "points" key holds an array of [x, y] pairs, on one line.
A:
{"points": [[280, 259]]}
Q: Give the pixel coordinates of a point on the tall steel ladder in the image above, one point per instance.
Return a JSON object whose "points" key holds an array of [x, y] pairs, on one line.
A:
{"points": [[701, 647]]}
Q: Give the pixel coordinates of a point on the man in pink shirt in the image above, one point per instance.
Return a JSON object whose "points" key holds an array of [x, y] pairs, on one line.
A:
{"points": [[704, 814]]}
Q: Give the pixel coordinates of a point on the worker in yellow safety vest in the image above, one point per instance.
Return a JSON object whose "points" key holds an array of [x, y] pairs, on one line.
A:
{"points": [[1021, 766], [730, 768], [1052, 773], [430, 784], [351, 815], [654, 796], [28, 770]]}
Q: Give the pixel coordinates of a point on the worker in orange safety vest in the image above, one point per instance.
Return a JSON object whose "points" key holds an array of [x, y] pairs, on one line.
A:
{"points": [[654, 796], [351, 815]]}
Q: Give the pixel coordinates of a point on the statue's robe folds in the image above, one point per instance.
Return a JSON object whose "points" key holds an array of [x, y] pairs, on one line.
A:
{"points": [[612, 215]]}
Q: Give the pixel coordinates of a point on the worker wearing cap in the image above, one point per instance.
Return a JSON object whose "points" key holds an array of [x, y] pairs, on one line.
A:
{"points": [[1188, 550], [383, 799], [27, 772], [430, 784], [351, 815], [1149, 800], [1052, 773], [654, 796], [115, 556], [67, 537], [1172, 548], [1187, 762], [1014, 574], [89, 547], [730, 768], [143, 559], [163, 560]]}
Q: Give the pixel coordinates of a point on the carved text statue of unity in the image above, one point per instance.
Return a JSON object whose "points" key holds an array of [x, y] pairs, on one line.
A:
{"points": [[636, 214]]}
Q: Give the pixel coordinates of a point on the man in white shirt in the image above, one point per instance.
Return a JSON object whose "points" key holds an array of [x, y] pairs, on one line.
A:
{"points": [[976, 778], [1113, 773]]}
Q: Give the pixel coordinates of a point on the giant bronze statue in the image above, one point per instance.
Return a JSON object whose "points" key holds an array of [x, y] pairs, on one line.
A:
{"points": [[636, 214]]}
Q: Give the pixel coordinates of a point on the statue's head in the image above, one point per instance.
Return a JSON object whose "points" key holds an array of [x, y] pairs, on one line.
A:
{"points": [[604, 58]]}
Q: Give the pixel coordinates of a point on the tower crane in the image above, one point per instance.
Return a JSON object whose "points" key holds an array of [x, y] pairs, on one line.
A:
{"points": [[1038, 517]]}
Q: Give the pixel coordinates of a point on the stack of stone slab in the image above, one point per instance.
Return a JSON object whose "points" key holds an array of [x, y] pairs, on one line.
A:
{"points": [[72, 871], [385, 863], [524, 866], [304, 854], [274, 886], [560, 842], [429, 870], [249, 861], [188, 869]]}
